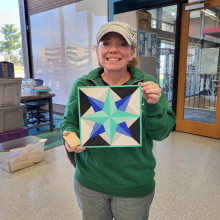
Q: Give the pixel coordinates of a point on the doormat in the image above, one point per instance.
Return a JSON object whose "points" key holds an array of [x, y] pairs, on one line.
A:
{"points": [[53, 137]]}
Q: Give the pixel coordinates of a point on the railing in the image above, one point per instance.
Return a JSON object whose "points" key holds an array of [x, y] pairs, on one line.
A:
{"points": [[166, 82], [200, 90]]}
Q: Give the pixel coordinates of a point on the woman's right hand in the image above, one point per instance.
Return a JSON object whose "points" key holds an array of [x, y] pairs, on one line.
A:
{"points": [[76, 149]]}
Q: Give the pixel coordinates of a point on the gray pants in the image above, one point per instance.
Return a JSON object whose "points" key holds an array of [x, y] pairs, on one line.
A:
{"points": [[98, 206]]}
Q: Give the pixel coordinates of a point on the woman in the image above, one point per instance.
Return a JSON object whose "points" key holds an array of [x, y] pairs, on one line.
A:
{"points": [[118, 182]]}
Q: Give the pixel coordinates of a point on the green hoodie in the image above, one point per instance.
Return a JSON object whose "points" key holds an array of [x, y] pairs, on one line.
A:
{"points": [[125, 171]]}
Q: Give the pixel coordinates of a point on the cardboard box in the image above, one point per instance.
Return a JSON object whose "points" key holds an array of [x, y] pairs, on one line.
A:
{"points": [[137, 19], [11, 118], [10, 92], [21, 153], [6, 70]]}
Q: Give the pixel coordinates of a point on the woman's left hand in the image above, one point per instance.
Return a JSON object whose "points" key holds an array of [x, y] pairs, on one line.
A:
{"points": [[151, 92]]}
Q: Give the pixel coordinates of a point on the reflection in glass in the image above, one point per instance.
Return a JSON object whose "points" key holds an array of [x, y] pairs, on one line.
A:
{"points": [[202, 69], [164, 18], [63, 44], [164, 24]]}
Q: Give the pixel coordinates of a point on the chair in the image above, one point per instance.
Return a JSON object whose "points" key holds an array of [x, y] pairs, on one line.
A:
{"points": [[33, 109]]}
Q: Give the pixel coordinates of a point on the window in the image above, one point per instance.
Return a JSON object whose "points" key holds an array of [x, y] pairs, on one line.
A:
{"points": [[10, 29], [63, 44], [164, 21]]}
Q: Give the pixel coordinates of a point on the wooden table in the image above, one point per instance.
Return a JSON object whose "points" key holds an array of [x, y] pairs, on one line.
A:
{"points": [[37, 97]]}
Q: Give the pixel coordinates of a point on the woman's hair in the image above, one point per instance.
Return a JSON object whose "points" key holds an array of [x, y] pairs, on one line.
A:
{"points": [[134, 62]]}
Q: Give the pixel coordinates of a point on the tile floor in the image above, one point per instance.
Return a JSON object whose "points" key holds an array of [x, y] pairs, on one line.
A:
{"points": [[187, 176]]}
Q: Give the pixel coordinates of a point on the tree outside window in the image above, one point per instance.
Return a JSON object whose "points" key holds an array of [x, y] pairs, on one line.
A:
{"points": [[10, 35]]}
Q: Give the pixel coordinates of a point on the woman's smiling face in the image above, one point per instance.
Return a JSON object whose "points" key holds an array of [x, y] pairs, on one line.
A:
{"points": [[113, 52]]}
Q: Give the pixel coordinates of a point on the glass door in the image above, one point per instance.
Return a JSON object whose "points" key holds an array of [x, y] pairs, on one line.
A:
{"points": [[198, 102]]}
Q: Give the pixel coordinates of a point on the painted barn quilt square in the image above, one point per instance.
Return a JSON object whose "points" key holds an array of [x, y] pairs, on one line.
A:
{"points": [[110, 116]]}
